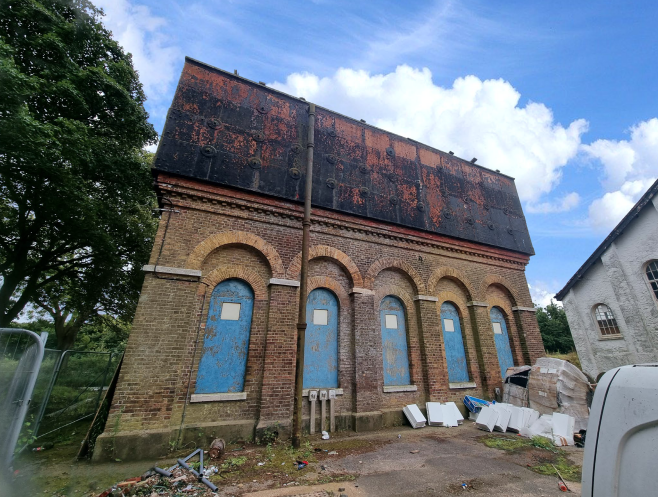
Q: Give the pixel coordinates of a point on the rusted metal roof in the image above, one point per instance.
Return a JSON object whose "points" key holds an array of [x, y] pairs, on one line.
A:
{"points": [[225, 129]]}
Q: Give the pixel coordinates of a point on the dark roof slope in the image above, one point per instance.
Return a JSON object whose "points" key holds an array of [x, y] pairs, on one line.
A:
{"points": [[225, 129], [619, 229]]}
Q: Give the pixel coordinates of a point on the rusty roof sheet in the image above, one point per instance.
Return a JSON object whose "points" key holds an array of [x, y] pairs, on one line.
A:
{"points": [[225, 129]]}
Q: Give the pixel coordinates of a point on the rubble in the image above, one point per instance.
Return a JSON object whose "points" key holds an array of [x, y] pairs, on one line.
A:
{"points": [[551, 385]]}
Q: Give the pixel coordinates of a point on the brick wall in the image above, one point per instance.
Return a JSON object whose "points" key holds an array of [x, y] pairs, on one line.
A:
{"points": [[229, 234]]}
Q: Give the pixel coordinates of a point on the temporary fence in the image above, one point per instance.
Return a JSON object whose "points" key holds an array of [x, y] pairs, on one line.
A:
{"points": [[21, 354], [68, 393]]}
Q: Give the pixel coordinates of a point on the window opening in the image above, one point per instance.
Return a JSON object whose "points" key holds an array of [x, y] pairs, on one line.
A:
{"points": [[606, 320]]}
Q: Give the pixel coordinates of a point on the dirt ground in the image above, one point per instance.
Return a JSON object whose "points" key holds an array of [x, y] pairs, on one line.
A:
{"points": [[398, 461]]}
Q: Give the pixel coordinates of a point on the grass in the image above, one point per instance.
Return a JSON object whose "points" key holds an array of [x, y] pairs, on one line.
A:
{"points": [[572, 357], [519, 443], [553, 457]]}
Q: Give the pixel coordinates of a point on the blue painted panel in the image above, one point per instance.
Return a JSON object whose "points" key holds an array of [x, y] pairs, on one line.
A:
{"points": [[505, 358], [394, 342], [454, 344], [321, 345], [226, 342]]}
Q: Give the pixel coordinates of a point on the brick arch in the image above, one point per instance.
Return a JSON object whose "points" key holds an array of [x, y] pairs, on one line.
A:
{"points": [[456, 299], [316, 251], [215, 277], [494, 279], [389, 262], [394, 291], [213, 242], [454, 274], [502, 305], [330, 284]]}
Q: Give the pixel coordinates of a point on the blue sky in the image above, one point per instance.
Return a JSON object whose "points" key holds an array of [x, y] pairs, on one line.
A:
{"points": [[561, 95]]}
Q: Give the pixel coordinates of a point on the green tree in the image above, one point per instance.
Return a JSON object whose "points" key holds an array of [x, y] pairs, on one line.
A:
{"points": [[554, 329], [75, 185]]}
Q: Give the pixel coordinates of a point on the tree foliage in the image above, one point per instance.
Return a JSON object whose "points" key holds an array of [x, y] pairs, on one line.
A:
{"points": [[554, 329], [75, 186]]}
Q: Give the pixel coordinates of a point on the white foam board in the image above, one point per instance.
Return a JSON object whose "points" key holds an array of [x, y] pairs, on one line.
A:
{"points": [[487, 418], [434, 413], [449, 416], [503, 417], [563, 426], [515, 420], [458, 414], [415, 417], [529, 416]]}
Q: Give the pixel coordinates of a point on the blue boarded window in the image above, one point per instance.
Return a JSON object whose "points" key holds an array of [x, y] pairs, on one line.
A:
{"points": [[501, 338], [226, 342], [454, 344], [394, 342], [321, 343]]}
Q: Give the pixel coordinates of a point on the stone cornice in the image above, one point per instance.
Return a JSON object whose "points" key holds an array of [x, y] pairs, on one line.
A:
{"points": [[285, 210], [282, 282], [429, 298], [150, 268], [527, 309]]}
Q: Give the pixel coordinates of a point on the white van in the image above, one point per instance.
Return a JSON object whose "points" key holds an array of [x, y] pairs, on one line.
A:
{"points": [[621, 450]]}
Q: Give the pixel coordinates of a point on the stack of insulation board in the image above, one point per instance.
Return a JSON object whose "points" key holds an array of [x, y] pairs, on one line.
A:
{"points": [[447, 414], [415, 417], [527, 422]]}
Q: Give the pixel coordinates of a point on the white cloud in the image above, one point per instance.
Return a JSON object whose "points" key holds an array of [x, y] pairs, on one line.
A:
{"points": [[568, 202], [473, 118], [542, 295], [607, 211], [142, 34], [630, 167]]}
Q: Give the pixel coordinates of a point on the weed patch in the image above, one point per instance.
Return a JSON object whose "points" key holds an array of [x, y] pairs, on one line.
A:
{"points": [[545, 454]]}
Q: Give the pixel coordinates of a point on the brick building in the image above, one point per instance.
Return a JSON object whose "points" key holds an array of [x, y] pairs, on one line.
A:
{"points": [[417, 289]]}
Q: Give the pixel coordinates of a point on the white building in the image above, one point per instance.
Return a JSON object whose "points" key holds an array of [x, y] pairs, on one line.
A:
{"points": [[612, 301]]}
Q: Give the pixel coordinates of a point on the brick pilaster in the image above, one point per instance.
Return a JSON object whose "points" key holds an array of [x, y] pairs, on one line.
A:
{"points": [[280, 350], [485, 346], [529, 335], [435, 367], [368, 354]]}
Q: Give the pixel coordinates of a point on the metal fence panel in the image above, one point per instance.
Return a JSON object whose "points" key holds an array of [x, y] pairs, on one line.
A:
{"points": [[20, 361]]}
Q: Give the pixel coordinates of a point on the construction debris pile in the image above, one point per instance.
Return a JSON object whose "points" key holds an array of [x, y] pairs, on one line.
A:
{"points": [[527, 422], [184, 476], [548, 399]]}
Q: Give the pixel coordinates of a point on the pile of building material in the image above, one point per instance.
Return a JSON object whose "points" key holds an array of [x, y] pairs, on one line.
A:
{"points": [[446, 415], [550, 386], [527, 422]]}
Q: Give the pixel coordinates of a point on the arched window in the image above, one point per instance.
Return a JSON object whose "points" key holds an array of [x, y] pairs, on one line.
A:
{"points": [[226, 342], [501, 338], [321, 344], [652, 276], [394, 342], [454, 344], [606, 320]]}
